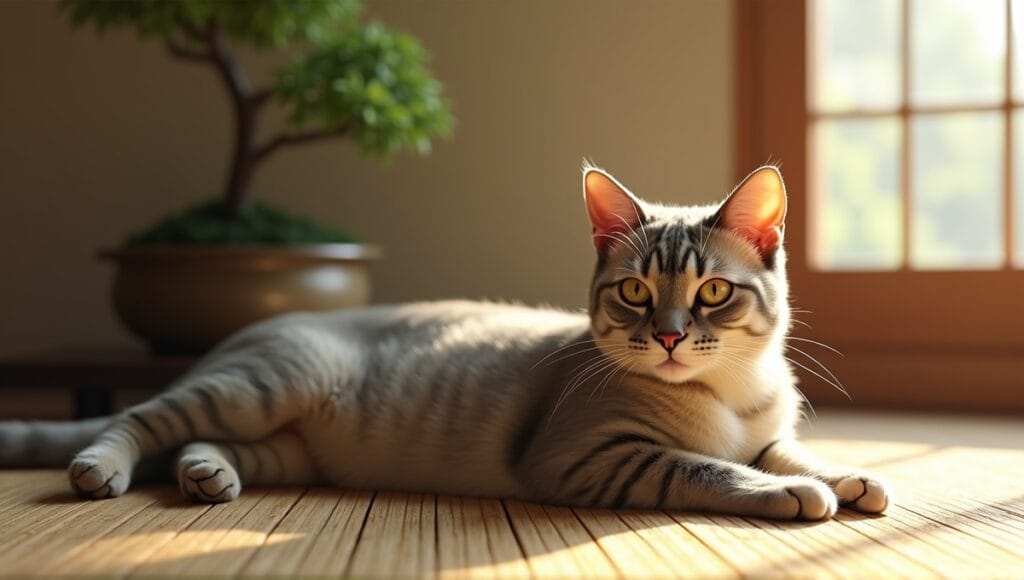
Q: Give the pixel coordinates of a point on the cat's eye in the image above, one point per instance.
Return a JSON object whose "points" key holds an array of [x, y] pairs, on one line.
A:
{"points": [[634, 291], [714, 292]]}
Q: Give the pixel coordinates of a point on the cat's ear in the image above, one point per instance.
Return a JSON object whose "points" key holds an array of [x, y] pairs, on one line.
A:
{"points": [[756, 210], [614, 211]]}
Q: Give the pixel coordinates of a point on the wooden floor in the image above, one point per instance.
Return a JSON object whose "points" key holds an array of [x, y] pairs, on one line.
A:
{"points": [[959, 512]]}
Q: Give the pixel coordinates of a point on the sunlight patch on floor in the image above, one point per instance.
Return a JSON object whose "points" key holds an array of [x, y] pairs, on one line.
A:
{"points": [[188, 543]]}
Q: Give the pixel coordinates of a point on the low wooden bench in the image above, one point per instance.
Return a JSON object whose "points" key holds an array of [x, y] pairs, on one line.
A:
{"points": [[92, 375]]}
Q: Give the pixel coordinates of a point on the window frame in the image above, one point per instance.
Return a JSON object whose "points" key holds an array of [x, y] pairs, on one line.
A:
{"points": [[911, 338]]}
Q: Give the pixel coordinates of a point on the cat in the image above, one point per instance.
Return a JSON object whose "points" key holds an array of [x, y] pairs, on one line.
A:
{"points": [[671, 392]]}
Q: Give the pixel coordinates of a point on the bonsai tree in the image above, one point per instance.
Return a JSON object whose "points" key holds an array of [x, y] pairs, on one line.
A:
{"points": [[354, 80]]}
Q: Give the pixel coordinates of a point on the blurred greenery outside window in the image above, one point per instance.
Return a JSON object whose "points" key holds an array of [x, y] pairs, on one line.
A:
{"points": [[915, 134]]}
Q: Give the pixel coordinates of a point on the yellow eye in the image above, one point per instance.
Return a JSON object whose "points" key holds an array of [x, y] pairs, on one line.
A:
{"points": [[634, 291], [715, 292]]}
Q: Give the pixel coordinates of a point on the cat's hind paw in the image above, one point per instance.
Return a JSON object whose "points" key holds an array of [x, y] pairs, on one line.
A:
{"points": [[96, 476], [863, 493], [208, 479]]}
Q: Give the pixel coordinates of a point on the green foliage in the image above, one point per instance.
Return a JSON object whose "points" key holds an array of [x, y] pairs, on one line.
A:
{"points": [[262, 23], [369, 80], [373, 81], [259, 223]]}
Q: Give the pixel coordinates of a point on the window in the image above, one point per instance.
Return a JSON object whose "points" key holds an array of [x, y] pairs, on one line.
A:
{"points": [[899, 126], [912, 135]]}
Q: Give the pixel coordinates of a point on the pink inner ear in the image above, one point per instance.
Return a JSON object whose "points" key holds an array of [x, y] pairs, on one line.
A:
{"points": [[756, 210], [613, 211]]}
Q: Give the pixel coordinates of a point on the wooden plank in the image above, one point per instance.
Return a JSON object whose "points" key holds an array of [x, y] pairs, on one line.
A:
{"points": [[398, 537], [419, 548], [895, 429], [38, 510], [789, 534], [990, 474], [990, 532], [846, 552], [232, 552], [928, 545], [962, 509], [967, 546], [332, 549], [869, 455], [676, 544], [474, 539], [23, 491], [924, 480], [287, 546], [934, 492], [453, 545], [43, 495], [746, 547], [15, 480], [62, 537], [630, 554], [555, 542], [40, 501], [133, 542], [507, 555], [199, 539], [999, 514]]}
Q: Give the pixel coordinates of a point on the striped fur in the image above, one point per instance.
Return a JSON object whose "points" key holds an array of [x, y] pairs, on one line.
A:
{"points": [[501, 400]]}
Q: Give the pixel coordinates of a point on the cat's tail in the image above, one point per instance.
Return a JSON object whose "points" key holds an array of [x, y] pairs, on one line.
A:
{"points": [[45, 443]]}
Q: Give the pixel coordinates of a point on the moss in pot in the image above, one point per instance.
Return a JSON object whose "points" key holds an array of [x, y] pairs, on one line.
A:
{"points": [[193, 278]]}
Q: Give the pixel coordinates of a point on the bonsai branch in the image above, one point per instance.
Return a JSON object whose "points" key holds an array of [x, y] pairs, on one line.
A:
{"points": [[247, 102], [297, 138], [185, 53], [232, 73], [191, 29]]}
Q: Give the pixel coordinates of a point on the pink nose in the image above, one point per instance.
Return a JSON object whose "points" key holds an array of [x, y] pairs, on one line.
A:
{"points": [[669, 339]]}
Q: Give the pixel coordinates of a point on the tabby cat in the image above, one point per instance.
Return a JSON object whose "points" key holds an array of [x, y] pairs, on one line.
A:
{"points": [[672, 392]]}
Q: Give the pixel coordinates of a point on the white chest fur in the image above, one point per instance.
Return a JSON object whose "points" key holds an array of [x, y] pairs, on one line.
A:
{"points": [[709, 426]]}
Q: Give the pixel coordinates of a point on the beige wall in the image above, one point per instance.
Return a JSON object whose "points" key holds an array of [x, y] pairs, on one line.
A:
{"points": [[99, 136]]}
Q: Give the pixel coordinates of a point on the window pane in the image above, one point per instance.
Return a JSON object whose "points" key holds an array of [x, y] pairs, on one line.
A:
{"points": [[957, 51], [1018, 172], [1018, 49], [856, 54], [857, 215], [957, 199]]}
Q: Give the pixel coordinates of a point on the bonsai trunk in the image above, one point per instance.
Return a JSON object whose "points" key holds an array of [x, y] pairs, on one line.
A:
{"points": [[247, 104], [243, 161]]}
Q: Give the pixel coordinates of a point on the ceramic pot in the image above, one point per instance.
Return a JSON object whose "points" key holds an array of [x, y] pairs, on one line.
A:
{"points": [[186, 299]]}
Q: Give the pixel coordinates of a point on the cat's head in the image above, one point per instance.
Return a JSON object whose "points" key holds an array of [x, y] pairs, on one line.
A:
{"points": [[680, 291]]}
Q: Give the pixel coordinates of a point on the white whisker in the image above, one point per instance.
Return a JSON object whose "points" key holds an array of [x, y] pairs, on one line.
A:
{"points": [[813, 372], [570, 345], [821, 344], [820, 365], [574, 353]]}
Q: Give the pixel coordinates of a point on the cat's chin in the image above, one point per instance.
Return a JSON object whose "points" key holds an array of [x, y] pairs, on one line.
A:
{"points": [[673, 371]]}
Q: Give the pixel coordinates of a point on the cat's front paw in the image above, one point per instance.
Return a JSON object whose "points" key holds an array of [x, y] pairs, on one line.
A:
{"points": [[208, 479], [98, 476], [814, 500], [862, 492], [793, 498]]}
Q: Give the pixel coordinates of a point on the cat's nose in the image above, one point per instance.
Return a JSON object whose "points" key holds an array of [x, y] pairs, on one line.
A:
{"points": [[669, 340]]}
